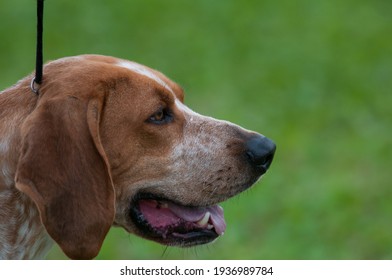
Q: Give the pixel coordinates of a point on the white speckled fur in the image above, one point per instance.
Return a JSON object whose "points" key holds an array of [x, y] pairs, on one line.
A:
{"points": [[31, 240]]}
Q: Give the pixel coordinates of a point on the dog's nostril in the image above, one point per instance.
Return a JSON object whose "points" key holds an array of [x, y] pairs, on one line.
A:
{"points": [[267, 160], [260, 151], [264, 161]]}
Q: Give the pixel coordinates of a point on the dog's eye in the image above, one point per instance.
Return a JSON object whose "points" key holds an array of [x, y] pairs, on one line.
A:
{"points": [[160, 117]]}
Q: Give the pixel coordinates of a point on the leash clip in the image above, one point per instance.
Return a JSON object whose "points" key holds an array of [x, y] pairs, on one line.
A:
{"points": [[34, 86]]}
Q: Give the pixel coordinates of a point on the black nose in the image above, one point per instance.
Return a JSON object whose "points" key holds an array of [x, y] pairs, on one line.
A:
{"points": [[260, 151]]}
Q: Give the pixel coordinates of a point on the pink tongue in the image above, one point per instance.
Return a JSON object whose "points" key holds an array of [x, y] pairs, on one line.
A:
{"points": [[161, 217], [217, 219], [187, 213], [196, 214]]}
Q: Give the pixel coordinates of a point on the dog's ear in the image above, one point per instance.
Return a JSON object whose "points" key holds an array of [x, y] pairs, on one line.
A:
{"points": [[64, 170]]}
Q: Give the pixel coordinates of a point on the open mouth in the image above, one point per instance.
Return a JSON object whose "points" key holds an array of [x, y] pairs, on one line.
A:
{"points": [[173, 224]]}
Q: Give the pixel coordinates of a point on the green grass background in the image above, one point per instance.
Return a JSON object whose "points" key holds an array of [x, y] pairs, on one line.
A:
{"points": [[315, 76]]}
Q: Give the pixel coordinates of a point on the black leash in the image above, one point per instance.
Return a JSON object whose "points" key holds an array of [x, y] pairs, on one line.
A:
{"points": [[37, 80]]}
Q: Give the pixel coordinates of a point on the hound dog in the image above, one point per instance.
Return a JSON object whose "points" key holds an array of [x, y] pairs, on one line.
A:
{"points": [[109, 142]]}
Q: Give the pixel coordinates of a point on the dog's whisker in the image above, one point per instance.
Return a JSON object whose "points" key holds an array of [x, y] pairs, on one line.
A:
{"points": [[164, 252]]}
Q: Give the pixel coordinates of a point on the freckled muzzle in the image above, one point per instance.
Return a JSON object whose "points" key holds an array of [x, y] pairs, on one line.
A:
{"points": [[170, 222]]}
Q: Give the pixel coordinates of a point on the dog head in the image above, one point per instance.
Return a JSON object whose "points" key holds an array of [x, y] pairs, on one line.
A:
{"points": [[111, 142]]}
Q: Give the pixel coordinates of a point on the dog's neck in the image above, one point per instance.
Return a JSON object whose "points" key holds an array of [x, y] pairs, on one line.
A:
{"points": [[22, 235]]}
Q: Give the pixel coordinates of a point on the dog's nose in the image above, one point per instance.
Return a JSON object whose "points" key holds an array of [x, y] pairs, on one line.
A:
{"points": [[260, 151]]}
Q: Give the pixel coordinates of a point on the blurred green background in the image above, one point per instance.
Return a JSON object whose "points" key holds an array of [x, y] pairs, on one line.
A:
{"points": [[315, 76]]}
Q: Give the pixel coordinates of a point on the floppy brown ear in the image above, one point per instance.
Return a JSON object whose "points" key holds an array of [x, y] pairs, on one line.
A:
{"points": [[64, 170]]}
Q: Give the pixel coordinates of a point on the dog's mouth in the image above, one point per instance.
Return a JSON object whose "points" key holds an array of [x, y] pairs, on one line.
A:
{"points": [[173, 224]]}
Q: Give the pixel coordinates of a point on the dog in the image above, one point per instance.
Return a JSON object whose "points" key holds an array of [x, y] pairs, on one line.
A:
{"points": [[109, 142]]}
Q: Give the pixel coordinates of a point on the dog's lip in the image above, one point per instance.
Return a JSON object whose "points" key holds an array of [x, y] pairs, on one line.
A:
{"points": [[176, 224]]}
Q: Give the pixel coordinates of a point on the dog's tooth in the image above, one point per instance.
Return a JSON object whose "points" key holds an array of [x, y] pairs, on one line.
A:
{"points": [[204, 221], [164, 205], [209, 226]]}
